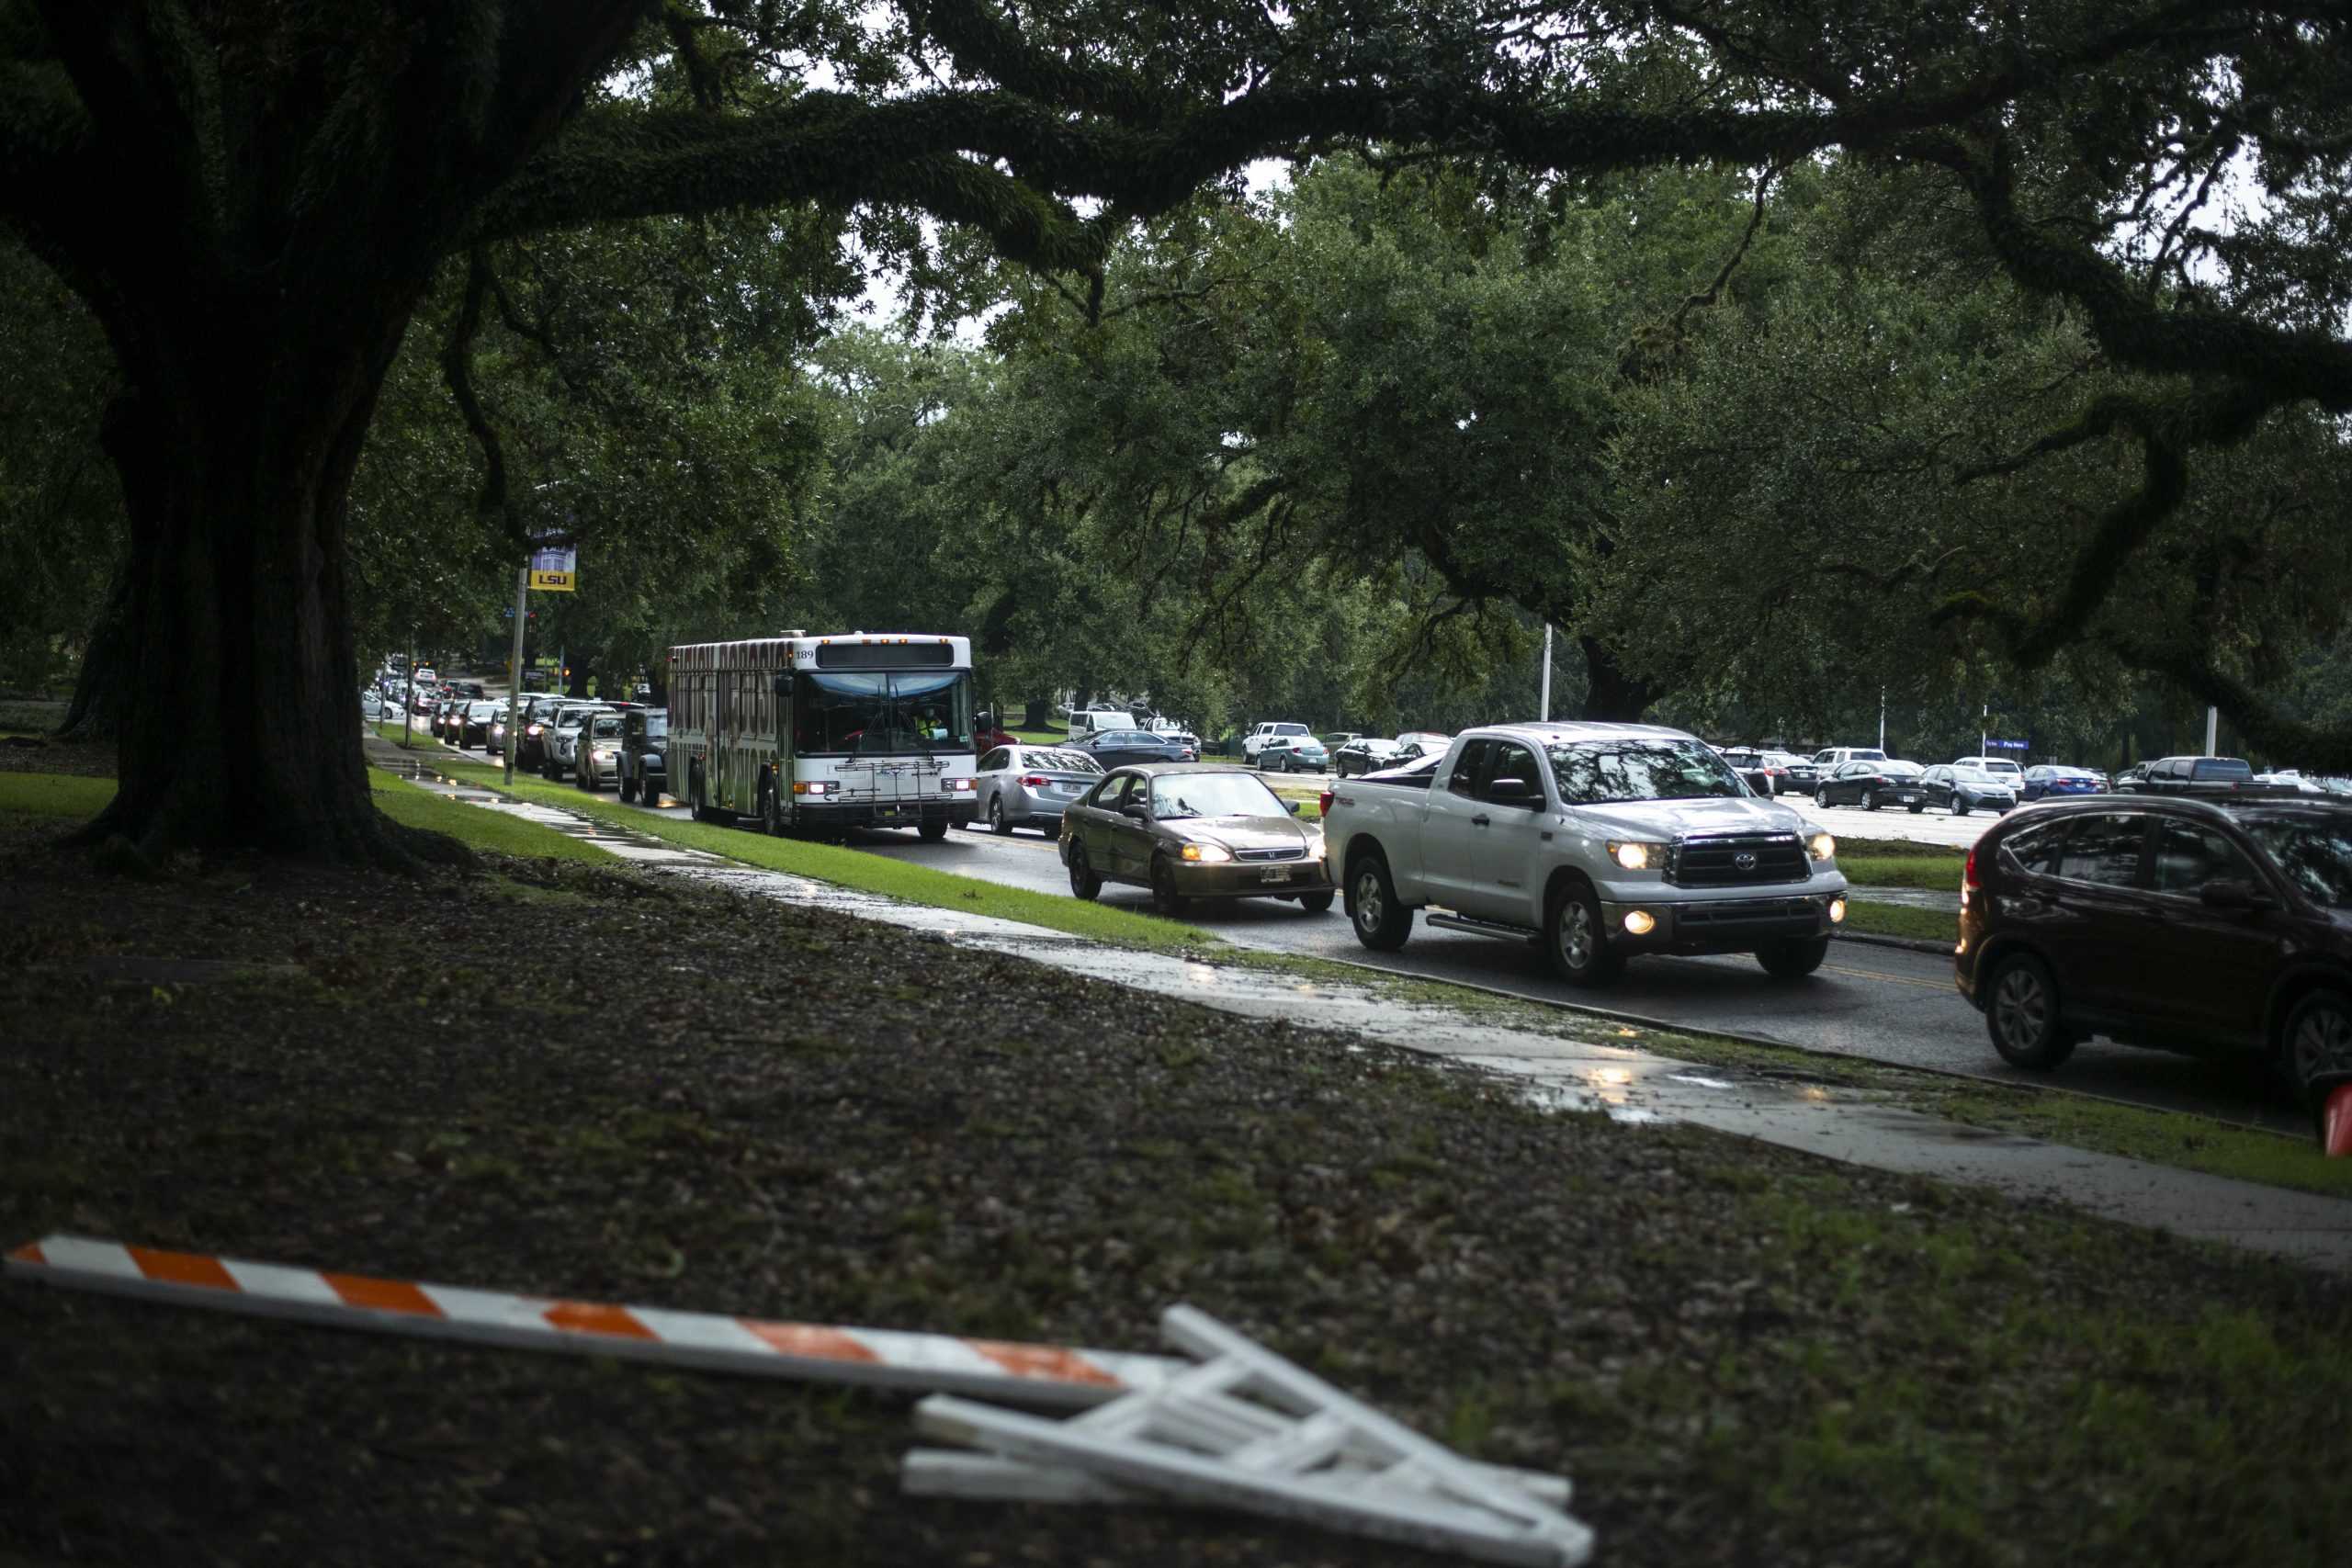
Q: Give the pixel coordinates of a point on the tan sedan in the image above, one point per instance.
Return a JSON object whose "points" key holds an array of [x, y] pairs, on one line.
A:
{"points": [[1193, 830]]}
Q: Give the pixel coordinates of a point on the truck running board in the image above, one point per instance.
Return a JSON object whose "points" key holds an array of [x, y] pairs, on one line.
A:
{"points": [[1451, 921]]}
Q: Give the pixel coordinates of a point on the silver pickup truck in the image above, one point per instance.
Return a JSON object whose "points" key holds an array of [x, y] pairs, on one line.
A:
{"points": [[1599, 841]]}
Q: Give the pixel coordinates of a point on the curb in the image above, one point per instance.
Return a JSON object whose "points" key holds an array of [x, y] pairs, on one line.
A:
{"points": [[1910, 944]]}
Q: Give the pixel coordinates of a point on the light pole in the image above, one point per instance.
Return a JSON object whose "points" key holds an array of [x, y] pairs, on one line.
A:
{"points": [[1545, 702], [2212, 725], [514, 669]]}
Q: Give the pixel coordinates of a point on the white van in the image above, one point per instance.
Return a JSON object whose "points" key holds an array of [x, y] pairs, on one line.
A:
{"points": [[1095, 721]]}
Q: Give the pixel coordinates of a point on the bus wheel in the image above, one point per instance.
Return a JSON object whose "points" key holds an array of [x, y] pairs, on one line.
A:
{"points": [[933, 832], [772, 813]]}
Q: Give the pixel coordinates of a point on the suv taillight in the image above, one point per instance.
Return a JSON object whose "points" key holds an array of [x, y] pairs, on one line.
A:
{"points": [[1968, 883]]}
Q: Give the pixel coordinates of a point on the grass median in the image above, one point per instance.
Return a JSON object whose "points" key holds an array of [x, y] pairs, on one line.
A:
{"points": [[1868, 919], [846, 868]]}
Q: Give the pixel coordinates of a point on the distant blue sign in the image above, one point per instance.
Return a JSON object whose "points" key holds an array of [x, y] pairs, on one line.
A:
{"points": [[2006, 745]]}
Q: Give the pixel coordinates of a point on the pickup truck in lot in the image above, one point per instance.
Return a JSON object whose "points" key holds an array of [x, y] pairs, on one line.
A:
{"points": [[1599, 842]]}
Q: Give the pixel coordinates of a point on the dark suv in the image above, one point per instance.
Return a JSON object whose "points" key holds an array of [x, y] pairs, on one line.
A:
{"points": [[644, 761], [2177, 923]]}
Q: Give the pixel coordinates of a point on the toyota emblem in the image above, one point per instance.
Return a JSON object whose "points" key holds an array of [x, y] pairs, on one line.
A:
{"points": [[1745, 860]]}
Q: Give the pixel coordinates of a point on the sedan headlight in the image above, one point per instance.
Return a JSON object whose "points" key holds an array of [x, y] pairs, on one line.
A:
{"points": [[1823, 846], [1207, 854], [1640, 856], [1320, 847]]}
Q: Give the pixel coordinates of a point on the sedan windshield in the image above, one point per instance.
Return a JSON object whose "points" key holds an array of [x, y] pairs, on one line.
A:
{"points": [[2316, 852], [1213, 795], [1599, 772]]}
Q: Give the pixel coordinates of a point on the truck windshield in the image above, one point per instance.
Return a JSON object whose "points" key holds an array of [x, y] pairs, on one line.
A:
{"points": [[1599, 772], [844, 714]]}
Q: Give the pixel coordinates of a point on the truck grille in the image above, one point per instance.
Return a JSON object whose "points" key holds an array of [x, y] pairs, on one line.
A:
{"points": [[1295, 853], [1746, 911], [1745, 857]]}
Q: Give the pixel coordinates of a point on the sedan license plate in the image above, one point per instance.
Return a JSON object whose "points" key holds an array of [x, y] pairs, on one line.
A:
{"points": [[1274, 874]]}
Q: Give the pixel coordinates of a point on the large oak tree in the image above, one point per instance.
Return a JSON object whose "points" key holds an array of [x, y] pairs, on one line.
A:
{"points": [[254, 196]]}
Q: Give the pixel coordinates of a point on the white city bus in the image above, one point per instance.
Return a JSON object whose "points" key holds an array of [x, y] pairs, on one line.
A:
{"points": [[825, 733]]}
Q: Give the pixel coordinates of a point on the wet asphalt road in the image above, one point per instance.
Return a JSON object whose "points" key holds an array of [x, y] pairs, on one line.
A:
{"points": [[1886, 1004]]}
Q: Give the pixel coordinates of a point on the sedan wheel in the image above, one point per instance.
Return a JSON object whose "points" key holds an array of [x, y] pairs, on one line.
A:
{"points": [[1869, 800], [1083, 883], [996, 815], [1163, 888], [2022, 1017]]}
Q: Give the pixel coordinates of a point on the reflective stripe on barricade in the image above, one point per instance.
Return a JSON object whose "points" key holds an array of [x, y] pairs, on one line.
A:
{"points": [[1025, 1374]]}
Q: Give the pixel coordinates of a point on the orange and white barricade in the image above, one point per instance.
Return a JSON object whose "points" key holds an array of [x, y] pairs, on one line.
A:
{"points": [[1050, 1375]]}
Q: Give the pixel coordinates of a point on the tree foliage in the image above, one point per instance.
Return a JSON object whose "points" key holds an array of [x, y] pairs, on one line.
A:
{"points": [[286, 182]]}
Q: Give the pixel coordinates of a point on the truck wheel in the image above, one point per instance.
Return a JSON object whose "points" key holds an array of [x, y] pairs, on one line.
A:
{"points": [[1794, 958], [626, 791], [1574, 944], [1382, 922]]}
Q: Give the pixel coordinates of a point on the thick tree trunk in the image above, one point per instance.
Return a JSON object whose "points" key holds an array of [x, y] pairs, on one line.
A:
{"points": [[236, 446], [96, 713], [1610, 692]]}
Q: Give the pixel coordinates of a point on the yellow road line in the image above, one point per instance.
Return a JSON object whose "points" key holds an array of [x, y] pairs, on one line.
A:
{"points": [[1891, 979]]}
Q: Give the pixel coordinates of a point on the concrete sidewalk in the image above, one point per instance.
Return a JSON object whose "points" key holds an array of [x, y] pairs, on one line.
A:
{"points": [[1591, 1064]]}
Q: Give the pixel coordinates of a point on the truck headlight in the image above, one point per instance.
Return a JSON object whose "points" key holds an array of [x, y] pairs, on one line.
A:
{"points": [[1640, 856], [1823, 846], [1207, 854]]}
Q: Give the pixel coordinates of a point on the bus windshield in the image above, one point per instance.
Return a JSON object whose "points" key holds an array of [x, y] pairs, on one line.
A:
{"points": [[867, 713]]}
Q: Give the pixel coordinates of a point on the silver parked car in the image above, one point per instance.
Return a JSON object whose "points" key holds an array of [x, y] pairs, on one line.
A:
{"points": [[562, 737], [596, 752], [1027, 786], [1292, 754]]}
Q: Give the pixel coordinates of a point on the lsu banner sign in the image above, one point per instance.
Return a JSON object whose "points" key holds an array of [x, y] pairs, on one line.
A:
{"points": [[556, 567]]}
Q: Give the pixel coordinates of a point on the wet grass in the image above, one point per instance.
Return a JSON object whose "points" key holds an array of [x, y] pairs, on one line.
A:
{"points": [[870, 873], [1897, 920], [54, 794], [413, 807]]}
